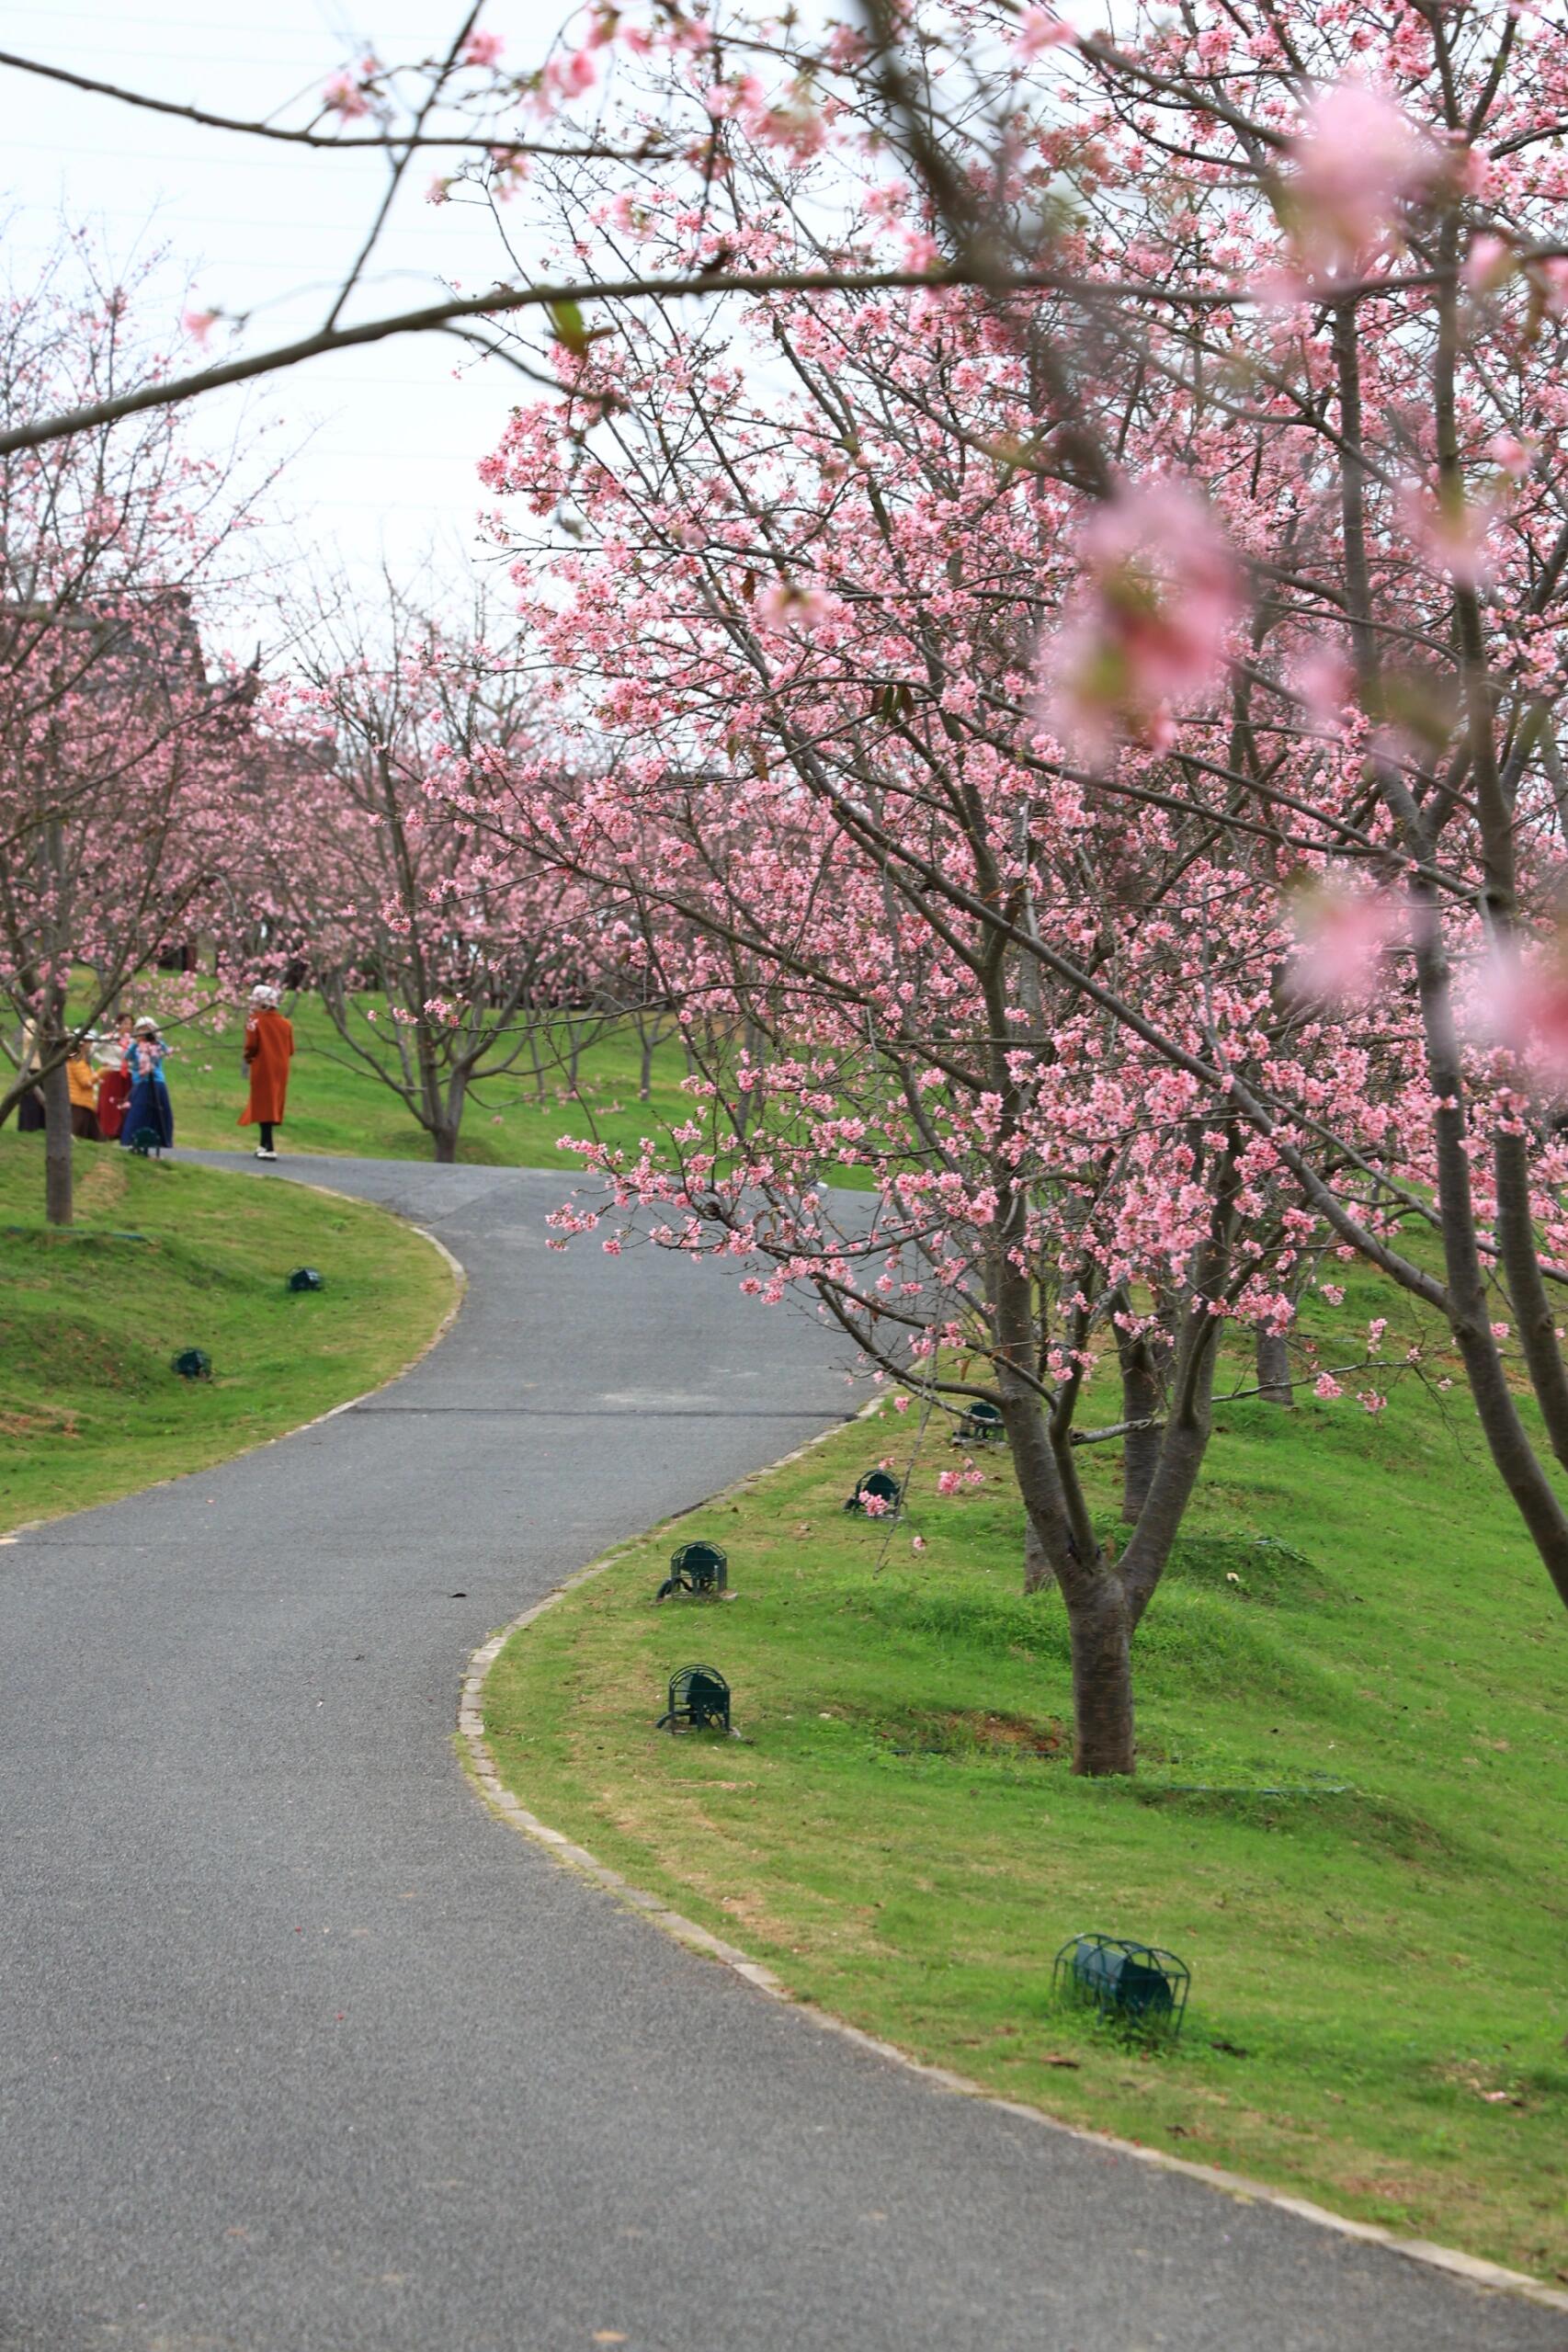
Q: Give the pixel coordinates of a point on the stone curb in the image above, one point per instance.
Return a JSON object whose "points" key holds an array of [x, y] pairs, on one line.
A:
{"points": [[480, 1765]]}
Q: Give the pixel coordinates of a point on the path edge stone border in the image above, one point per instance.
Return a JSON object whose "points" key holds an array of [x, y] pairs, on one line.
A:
{"points": [[479, 1765]]}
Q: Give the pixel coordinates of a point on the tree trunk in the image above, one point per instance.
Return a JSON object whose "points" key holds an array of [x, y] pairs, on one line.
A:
{"points": [[1274, 1369], [1039, 1573], [645, 1081], [1140, 1447], [1101, 1636], [57, 1190], [445, 1142]]}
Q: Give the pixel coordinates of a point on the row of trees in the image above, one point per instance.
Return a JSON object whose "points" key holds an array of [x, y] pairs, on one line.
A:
{"points": [[1104, 736], [291, 825], [1053, 685]]}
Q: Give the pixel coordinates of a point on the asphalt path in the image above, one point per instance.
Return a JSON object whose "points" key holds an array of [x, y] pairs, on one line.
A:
{"points": [[300, 2050]]}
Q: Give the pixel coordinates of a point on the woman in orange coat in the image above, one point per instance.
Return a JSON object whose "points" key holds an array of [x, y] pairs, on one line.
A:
{"points": [[270, 1048]]}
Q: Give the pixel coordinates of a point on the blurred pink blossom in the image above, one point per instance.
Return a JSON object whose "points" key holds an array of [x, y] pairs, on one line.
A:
{"points": [[1041, 29], [483, 49], [1450, 530], [1357, 158], [1326, 682], [1342, 936], [1327, 1387], [788, 604], [1489, 263], [1149, 626], [344, 96], [1512, 455], [1523, 1004]]}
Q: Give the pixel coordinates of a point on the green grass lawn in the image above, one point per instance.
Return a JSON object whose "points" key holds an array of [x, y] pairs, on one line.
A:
{"points": [[1348, 1818], [336, 1105], [162, 1258]]}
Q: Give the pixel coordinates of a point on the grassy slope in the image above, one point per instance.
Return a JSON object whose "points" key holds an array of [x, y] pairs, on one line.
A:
{"points": [[89, 1407], [899, 1836], [336, 1105]]}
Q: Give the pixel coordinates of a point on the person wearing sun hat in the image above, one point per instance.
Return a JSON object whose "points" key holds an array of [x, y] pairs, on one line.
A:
{"points": [[270, 1048], [149, 1110]]}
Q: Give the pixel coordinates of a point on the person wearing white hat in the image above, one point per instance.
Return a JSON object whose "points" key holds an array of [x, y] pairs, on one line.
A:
{"points": [[270, 1048], [149, 1110]]}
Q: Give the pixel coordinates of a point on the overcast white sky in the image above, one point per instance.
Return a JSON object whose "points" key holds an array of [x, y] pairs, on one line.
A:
{"points": [[390, 438]]}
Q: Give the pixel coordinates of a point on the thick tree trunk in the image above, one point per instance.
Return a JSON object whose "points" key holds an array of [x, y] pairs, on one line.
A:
{"points": [[1101, 1636], [1140, 1447], [1274, 1369], [57, 1189], [445, 1142]]}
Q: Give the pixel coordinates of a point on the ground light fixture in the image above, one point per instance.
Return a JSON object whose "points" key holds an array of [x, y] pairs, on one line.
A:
{"points": [[146, 1144], [305, 1278], [192, 1364], [981, 1425], [1137, 1984], [699, 1701], [701, 1569], [878, 1487]]}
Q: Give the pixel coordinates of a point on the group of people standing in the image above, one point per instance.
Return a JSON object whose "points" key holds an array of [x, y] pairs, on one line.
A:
{"points": [[127, 1096]]}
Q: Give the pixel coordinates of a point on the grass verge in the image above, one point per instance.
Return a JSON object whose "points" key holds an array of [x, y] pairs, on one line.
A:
{"points": [[1348, 1819], [166, 1257]]}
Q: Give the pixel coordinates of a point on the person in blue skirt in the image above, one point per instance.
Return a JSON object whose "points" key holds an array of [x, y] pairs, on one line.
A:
{"points": [[149, 1106]]}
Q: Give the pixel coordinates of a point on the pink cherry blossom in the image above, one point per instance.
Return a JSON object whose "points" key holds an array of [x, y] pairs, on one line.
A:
{"points": [[1040, 29], [1514, 456], [345, 96], [1149, 626], [1489, 264], [1358, 157], [1520, 1002], [483, 49], [1451, 530], [791, 604], [1342, 939]]}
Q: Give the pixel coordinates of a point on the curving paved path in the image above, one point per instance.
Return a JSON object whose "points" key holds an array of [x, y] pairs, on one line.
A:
{"points": [[301, 2052]]}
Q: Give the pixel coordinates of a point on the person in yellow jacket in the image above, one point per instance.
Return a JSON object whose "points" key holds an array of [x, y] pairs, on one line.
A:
{"points": [[83, 1083]]}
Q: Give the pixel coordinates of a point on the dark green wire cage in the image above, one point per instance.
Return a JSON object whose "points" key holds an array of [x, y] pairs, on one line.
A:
{"points": [[146, 1144], [880, 1490], [1138, 1985], [305, 1278], [701, 1569], [699, 1701], [982, 1424], [193, 1364]]}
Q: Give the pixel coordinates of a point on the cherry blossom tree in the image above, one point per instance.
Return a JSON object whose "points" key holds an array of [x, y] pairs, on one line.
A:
{"points": [[122, 761], [444, 958], [1241, 554], [809, 686]]}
